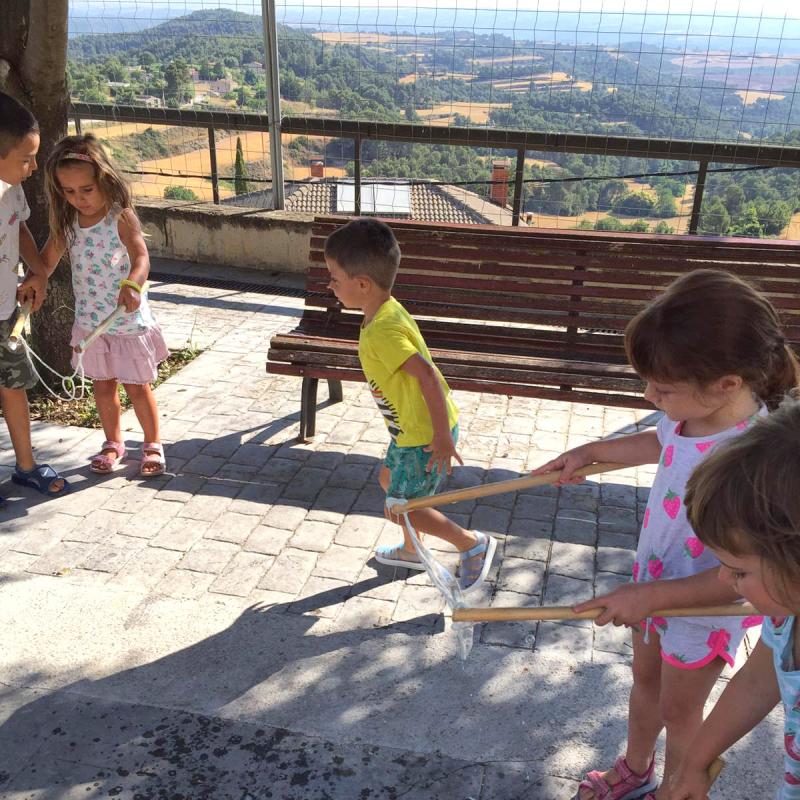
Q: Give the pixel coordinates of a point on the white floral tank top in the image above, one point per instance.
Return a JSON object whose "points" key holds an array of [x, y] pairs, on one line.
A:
{"points": [[99, 262]]}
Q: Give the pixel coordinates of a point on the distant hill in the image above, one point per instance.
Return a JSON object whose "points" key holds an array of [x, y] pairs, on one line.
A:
{"points": [[185, 36], [746, 34]]}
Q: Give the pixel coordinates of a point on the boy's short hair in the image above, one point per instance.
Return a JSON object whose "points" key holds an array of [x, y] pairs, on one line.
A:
{"points": [[365, 247], [16, 122]]}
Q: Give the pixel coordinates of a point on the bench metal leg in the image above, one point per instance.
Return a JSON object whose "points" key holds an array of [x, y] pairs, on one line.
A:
{"points": [[308, 405], [335, 391], [308, 409]]}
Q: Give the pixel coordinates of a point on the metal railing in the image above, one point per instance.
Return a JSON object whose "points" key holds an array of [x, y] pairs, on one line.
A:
{"points": [[701, 152]]}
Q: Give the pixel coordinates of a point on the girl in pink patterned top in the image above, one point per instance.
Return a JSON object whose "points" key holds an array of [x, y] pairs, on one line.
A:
{"points": [[91, 216], [711, 351]]}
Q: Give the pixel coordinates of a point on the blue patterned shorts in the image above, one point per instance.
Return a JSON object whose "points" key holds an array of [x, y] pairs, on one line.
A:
{"points": [[406, 465]]}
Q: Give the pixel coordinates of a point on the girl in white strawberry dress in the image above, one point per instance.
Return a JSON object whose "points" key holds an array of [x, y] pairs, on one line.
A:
{"points": [[713, 356]]}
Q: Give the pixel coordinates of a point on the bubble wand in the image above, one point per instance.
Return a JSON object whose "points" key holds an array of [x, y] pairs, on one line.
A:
{"points": [[23, 313]]}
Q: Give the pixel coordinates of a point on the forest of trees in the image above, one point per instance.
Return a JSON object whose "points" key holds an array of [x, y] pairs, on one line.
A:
{"points": [[637, 97]]}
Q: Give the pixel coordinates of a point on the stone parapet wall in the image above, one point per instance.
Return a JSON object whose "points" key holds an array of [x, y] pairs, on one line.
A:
{"points": [[229, 235]]}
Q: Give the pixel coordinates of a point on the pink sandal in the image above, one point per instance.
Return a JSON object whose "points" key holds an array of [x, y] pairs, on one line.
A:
{"points": [[153, 461], [111, 453], [631, 785]]}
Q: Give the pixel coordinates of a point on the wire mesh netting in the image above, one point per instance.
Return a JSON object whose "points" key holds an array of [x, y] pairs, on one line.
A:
{"points": [[637, 72]]}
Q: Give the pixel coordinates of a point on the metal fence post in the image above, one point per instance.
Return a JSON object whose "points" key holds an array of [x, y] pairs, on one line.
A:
{"points": [[699, 188], [517, 207], [357, 176], [270, 23], [212, 149]]}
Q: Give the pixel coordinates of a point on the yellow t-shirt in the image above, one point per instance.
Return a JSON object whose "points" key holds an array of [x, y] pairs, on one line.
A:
{"points": [[390, 339]]}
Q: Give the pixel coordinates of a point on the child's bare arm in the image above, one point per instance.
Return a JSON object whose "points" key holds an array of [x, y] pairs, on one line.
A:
{"points": [[130, 234], [638, 448], [34, 287], [51, 253], [631, 602], [752, 693], [442, 447]]}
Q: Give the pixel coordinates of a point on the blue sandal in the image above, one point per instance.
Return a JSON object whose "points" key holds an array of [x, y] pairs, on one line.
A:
{"points": [[41, 477], [474, 564]]}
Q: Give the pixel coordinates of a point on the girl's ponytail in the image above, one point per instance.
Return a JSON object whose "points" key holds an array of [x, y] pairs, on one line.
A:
{"points": [[782, 376], [710, 323]]}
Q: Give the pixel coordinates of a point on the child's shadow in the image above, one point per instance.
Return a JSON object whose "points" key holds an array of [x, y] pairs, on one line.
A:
{"points": [[110, 721]]}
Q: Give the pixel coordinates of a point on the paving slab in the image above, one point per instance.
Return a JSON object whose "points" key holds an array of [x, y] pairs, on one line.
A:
{"points": [[224, 631]]}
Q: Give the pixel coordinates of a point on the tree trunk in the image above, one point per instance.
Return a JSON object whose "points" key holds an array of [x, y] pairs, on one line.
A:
{"points": [[33, 64]]}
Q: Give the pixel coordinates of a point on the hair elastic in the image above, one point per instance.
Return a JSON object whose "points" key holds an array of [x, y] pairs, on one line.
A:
{"points": [[76, 157]]}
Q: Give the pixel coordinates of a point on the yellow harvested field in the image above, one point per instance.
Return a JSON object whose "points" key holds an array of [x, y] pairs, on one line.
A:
{"points": [[113, 130], [750, 97], [507, 59], [154, 185], [300, 107], [792, 230], [366, 37], [477, 112], [456, 76], [679, 224], [255, 146], [293, 172], [541, 162]]}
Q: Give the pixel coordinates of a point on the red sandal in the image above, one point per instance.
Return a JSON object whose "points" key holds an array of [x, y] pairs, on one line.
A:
{"points": [[153, 458], [630, 786], [110, 455]]}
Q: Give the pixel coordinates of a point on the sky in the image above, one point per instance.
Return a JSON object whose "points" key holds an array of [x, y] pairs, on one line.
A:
{"points": [[743, 8]]}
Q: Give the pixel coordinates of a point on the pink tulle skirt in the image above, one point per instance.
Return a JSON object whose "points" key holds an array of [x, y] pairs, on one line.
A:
{"points": [[127, 358]]}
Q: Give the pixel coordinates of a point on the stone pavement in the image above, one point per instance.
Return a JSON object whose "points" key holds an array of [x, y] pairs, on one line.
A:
{"points": [[224, 632]]}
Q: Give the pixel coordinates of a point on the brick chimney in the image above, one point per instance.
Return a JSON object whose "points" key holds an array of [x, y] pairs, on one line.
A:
{"points": [[317, 168], [499, 187]]}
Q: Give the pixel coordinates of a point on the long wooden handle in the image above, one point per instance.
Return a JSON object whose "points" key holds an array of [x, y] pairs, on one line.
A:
{"points": [[533, 613], [499, 487], [101, 328], [19, 324]]}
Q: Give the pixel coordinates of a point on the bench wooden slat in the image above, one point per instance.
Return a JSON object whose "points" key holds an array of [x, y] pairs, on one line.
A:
{"points": [[295, 347], [525, 312], [475, 336], [513, 390]]}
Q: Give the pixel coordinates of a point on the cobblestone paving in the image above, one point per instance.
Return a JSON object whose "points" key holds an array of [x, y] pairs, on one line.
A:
{"points": [[247, 511]]}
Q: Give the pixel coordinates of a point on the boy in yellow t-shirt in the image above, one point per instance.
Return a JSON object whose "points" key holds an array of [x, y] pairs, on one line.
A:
{"points": [[362, 258]]}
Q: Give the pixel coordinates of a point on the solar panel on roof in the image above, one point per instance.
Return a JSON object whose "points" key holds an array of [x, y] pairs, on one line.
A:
{"points": [[376, 198]]}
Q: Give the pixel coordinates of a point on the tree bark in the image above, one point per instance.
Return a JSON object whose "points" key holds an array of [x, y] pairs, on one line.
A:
{"points": [[33, 64]]}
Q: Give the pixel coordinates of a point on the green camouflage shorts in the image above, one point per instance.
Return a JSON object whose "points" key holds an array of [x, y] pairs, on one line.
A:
{"points": [[15, 370]]}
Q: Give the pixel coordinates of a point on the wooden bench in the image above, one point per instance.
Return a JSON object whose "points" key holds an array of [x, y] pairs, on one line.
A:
{"points": [[522, 311]]}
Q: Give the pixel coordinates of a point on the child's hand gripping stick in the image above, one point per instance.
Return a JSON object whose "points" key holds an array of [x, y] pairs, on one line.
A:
{"points": [[22, 317], [100, 329]]}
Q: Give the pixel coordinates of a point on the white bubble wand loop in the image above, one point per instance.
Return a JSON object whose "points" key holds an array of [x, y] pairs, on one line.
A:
{"points": [[72, 389], [440, 576]]}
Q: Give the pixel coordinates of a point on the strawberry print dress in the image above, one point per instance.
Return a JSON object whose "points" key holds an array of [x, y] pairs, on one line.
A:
{"points": [[133, 346], [668, 548], [778, 635]]}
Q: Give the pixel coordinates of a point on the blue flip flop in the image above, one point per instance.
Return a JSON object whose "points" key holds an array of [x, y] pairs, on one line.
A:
{"points": [[41, 478]]}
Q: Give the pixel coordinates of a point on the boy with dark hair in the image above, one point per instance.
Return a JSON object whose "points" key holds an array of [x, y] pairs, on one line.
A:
{"points": [[363, 258], [19, 143]]}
